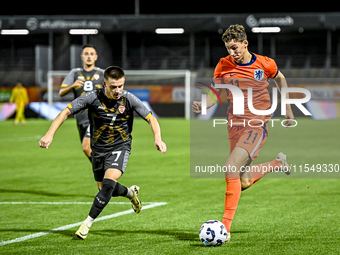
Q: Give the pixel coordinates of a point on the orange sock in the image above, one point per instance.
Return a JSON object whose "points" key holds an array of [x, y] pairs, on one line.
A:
{"points": [[260, 170], [232, 196]]}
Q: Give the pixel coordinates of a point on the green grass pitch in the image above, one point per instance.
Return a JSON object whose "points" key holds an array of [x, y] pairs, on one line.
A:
{"points": [[274, 216]]}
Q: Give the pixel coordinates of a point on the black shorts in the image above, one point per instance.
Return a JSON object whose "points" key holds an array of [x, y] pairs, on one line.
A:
{"points": [[114, 159], [84, 131]]}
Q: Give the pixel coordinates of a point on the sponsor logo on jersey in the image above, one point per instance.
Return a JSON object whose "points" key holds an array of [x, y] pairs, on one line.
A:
{"points": [[121, 108]]}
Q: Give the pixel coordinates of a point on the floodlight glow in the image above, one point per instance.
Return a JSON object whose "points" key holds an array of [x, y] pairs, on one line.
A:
{"points": [[266, 29], [169, 31], [14, 32], [83, 31]]}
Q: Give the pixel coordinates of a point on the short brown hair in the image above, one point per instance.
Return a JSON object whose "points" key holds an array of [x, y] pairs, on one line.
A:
{"points": [[234, 32], [114, 72]]}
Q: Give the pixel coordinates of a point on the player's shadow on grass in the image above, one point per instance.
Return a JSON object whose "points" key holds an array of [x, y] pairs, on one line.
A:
{"points": [[177, 234], [43, 193]]}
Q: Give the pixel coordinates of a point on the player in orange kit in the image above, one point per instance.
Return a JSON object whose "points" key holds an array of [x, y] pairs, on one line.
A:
{"points": [[247, 132]]}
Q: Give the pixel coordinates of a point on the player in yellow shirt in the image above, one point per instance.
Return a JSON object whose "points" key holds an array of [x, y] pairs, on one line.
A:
{"points": [[20, 98]]}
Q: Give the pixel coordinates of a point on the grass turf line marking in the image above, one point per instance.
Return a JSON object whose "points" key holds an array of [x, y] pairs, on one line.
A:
{"points": [[28, 237], [21, 139], [65, 203]]}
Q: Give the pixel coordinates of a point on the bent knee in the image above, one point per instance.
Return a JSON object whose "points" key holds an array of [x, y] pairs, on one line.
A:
{"points": [[245, 183]]}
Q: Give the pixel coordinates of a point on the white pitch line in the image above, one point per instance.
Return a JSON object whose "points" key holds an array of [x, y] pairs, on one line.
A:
{"points": [[28, 237], [21, 139], [65, 203]]}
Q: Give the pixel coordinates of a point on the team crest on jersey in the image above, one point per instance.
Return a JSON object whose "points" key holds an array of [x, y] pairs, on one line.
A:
{"points": [[258, 74], [96, 76], [121, 108]]}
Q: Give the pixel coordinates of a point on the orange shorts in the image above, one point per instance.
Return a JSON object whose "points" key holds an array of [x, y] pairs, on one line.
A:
{"points": [[250, 138]]}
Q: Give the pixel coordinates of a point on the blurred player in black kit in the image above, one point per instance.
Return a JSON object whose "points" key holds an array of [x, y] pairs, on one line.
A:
{"points": [[80, 81], [111, 116]]}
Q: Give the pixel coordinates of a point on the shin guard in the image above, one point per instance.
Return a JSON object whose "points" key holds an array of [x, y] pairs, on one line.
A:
{"points": [[102, 198]]}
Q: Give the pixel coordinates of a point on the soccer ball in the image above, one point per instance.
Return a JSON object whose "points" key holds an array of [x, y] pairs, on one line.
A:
{"points": [[213, 233]]}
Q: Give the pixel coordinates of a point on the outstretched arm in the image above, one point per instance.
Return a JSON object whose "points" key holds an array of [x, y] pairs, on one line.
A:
{"points": [[156, 130], [281, 82], [60, 119]]}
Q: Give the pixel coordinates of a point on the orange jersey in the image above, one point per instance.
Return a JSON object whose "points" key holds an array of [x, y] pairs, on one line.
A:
{"points": [[255, 74]]}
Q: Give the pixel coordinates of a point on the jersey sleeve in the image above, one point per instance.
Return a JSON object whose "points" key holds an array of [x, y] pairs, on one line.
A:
{"points": [[271, 68], [138, 106], [81, 103], [218, 69], [69, 79], [219, 72]]}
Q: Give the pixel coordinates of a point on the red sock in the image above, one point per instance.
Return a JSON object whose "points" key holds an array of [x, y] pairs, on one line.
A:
{"points": [[232, 196], [260, 170]]}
